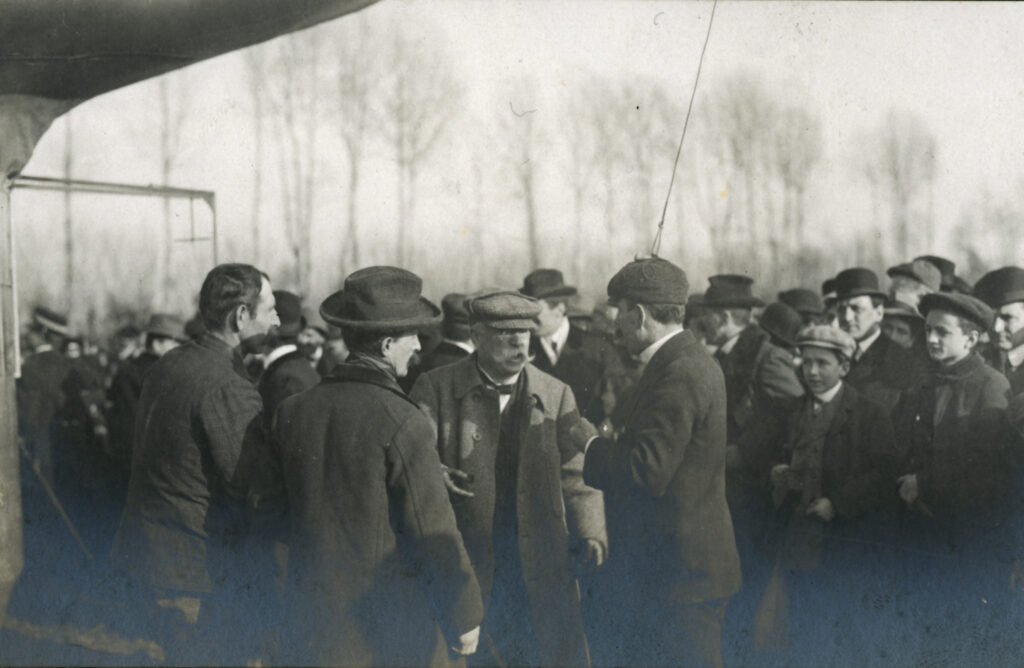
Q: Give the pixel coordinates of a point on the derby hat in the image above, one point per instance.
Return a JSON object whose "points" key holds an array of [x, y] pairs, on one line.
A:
{"points": [[730, 291], [781, 321], [289, 310], [829, 337], [545, 284], [857, 282], [1001, 286], [456, 317], [51, 320], [380, 299], [166, 325], [964, 306], [802, 300], [650, 281], [503, 309], [922, 271]]}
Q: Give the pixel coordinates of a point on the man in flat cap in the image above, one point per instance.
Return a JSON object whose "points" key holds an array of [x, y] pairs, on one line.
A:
{"points": [[829, 461], [164, 332], [950, 426], [673, 556], [880, 368], [379, 575], [1003, 290], [199, 443], [504, 432], [583, 360]]}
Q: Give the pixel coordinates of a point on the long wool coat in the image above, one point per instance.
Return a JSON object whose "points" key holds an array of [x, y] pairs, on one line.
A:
{"points": [[551, 499], [376, 561]]}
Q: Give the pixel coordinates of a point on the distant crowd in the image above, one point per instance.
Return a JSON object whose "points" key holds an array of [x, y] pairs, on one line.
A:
{"points": [[672, 478]]}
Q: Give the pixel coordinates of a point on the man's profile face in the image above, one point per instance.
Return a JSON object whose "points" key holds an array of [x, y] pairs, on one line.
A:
{"points": [[254, 324], [948, 343], [399, 350], [503, 352], [859, 317], [550, 318], [1009, 325]]}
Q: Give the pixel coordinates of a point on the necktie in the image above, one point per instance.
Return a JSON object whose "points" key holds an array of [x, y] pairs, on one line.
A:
{"points": [[502, 389]]}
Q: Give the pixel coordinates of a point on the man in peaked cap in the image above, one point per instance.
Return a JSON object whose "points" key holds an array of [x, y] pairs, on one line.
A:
{"points": [[456, 342], [1003, 290], [286, 370], [805, 302], [378, 570], [675, 563], [515, 476], [727, 308], [913, 280], [880, 369], [950, 426], [581, 359], [164, 332], [950, 281]]}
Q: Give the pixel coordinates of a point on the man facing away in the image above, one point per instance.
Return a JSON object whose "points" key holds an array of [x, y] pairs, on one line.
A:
{"points": [[672, 548], [378, 572], [198, 445]]}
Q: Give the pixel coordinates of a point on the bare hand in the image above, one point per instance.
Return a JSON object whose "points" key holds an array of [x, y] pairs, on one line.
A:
{"points": [[908, 488], [450, 475], [467, 642], [778, 475], [581, 433], [823, 509], [595, 554]]}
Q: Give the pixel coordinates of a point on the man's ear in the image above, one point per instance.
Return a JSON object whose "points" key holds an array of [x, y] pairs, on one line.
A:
{"points": [[236, 318], [561, 307], [844, 368]]}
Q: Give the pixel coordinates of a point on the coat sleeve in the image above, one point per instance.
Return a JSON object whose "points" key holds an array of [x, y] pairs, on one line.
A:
{"points": [[777, 379], [866, 488], [584, 505], [648, 454], [231, 416], [425, 524]]}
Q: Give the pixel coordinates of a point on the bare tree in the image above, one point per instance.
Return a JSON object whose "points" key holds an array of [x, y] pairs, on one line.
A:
{"points": [[420, 97], [255, 65], [69, 228], [519, 123], [173, 99], [580, 170], [293, 94], [900, 163]]}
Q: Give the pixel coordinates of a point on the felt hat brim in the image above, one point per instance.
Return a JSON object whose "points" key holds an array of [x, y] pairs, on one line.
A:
{"points": [[426, 313]]}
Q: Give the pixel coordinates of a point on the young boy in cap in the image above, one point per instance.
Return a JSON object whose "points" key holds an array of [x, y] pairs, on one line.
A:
{"points": [[515, 475], [378, 570]]}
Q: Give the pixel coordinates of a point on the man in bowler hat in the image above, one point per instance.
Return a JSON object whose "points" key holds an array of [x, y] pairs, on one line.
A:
{"points": [[504, 432], [286, 370], [1003, 290], [378, 571], [674, 555], [456, 342]]}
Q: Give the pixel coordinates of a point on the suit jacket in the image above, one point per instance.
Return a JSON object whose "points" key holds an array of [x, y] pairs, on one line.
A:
{"points": [[376, 560], [124, 393], [551, 499], [959, 461], [738, 368], [287, 375], [586, 361], [446, 353], [199, 441], [41, 402], [885, 371], [670, 530]]}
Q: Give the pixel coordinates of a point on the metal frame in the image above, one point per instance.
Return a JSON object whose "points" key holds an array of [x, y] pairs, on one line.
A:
{"points": [[110, 188]]}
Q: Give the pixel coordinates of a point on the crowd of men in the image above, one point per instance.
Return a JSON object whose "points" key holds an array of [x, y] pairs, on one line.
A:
{"points": [[506, 480]]}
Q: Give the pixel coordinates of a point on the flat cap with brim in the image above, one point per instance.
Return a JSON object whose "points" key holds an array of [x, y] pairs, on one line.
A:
{"points": [[946, 267], [650, 281], [503, 309], [827, 336], [802, 300], [546, 284], [857, 282], [964, 306], [51, 320], [902, 310], [289, 311], [1001, 286], [730, 291], [166, 325], [781, 321], [922, 271], [380, 298]]}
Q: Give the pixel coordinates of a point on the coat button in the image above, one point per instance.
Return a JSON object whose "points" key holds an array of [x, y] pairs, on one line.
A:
{"points": [[476, 436]]}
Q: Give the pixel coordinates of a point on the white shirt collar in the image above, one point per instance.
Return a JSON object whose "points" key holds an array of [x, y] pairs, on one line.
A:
{"points": [[650, 350], [43, 348], [865, 343], [1016, 356], [278, 353], [556, 341], [465, 345], [829, 395], [727, 347]]}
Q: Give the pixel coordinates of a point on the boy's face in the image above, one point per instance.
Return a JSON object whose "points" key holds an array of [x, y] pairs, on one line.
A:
{"points": [[948, 343], [821, 368]]}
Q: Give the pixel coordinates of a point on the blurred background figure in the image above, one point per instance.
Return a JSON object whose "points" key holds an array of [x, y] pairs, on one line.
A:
{"points": [[912, 280], [805, 302]]}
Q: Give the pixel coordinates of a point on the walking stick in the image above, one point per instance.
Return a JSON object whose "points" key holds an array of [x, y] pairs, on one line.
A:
{"points": [[53, 498]]}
